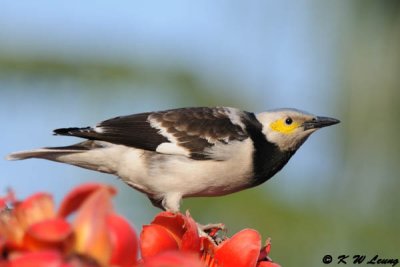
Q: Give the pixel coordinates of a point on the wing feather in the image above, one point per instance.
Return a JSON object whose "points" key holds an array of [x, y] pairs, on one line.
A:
{"points": [[186, 131]]}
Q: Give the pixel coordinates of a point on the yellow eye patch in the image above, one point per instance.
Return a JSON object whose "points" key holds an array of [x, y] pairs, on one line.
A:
{"points": [[281, 126]]}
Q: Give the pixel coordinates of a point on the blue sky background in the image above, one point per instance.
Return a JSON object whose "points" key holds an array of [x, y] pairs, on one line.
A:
{"points": [[328, 58]]}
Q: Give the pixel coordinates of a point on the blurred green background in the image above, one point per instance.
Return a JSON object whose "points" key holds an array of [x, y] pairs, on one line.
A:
{"points": [[74, 63]]}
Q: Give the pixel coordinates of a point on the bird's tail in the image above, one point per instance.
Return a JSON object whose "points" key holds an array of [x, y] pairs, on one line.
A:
{"points": [[86, 154], [50, 153], [41, 153]]}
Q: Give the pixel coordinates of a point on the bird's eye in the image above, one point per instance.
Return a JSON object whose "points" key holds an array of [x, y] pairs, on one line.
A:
{"points": [[288, 121]]}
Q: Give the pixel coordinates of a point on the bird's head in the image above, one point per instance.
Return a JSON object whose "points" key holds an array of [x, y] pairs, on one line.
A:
{"points": [[289, 128]]}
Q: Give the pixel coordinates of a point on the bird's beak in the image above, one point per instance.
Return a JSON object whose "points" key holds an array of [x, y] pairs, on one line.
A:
{"points": [[319, 122]]}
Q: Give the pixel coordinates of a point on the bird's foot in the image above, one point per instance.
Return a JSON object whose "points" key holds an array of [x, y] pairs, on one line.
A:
{"points": [[211, 230]]}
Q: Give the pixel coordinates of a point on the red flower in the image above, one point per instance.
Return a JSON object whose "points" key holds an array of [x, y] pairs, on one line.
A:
{"points": [[15, 223], [169, 231], [176, 232], [267, 264], [241, 250], [124, 240], [32, 233], [173, 259], [38, 259]]}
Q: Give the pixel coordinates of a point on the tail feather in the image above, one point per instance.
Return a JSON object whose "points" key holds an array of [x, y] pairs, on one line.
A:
{"points": [[86, 132], [52, 153], [88, 154], [44, 153]]}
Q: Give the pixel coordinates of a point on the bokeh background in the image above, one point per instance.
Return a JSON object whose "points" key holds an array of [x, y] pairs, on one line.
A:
{"points": [[74, 63]]}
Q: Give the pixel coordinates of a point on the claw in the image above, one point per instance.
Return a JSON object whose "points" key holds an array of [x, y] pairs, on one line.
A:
{"points": [[210, 231], [212, 228]]}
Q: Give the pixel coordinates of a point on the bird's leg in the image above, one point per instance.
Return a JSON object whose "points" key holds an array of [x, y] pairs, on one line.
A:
{"points": [[210, 231], [171, 202]]}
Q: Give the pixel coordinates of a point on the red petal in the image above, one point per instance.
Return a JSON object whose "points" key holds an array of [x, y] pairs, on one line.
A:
{"points": [[173, 222], [124, 241], [52, 230], [155, 239], [174, 259], [241, 250], [78, 195], [190, 239], [183, 228], [91, 229], [267, 264], [35, 208], [37, 259], [50, 233], [3, 203]]}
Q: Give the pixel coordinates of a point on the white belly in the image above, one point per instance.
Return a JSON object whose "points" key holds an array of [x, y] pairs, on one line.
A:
{"points": [[160, 174]]}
